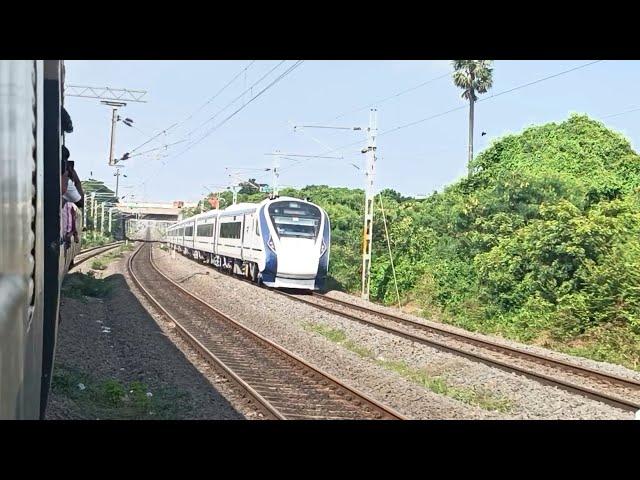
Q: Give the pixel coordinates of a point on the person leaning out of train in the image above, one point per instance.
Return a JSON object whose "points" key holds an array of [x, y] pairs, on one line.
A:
{"points": [[72, 194], [73, 186]]}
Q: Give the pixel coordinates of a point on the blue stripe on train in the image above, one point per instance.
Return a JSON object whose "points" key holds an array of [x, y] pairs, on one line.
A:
{"points": [[271, 263], [323, 264]]}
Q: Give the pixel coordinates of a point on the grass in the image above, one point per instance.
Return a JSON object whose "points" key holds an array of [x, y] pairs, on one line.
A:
{"points": [[333, 334], [108, 398], [127, 247], [612, 342], [606, 343], [79, 285], [104, 260], [477, 396], [93, 239], [99, 264]]}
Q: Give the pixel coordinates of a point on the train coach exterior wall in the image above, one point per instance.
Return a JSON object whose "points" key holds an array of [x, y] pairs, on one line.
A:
{"points": [[20, 310]]}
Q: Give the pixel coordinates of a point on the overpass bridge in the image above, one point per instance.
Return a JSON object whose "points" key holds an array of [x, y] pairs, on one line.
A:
{"points": [[149, 220], [146, 230], [168, 211]]}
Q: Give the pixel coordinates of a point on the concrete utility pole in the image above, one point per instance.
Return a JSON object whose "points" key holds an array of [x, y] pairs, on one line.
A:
{"points": [[110, 211], [84, 215], [109, 96], [93, 210], [369, 196], [276, 173], [235, 176], [369, 192], [102, 218], [117, 175], [114, 119]]}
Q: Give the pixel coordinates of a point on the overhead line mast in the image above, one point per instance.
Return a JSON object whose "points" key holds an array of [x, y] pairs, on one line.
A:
{"points": [[112, 97], [369, 196], [369, 193]]}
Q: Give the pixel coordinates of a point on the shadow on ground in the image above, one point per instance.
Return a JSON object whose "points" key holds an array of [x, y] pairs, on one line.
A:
{"points": [[113, 361]]}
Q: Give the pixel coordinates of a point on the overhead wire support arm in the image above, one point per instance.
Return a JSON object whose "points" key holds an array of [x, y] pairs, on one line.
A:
{"points": [[105, 93], [370, 168], [303, 156]]}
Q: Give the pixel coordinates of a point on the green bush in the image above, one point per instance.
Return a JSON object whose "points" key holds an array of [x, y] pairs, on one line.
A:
{"points": [[540, 244]]}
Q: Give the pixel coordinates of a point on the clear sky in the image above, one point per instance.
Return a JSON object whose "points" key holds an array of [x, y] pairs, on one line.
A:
{"points": [[414, 161]]}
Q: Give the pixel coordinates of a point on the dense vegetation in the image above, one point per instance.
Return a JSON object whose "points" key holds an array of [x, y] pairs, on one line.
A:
{"points": [[540, 243]]}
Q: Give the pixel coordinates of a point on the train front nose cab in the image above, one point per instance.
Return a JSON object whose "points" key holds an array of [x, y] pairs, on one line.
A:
{"points": [[299, 256], [297, 225]]}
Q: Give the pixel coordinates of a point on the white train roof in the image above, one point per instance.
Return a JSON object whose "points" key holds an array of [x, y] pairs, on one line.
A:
{"points": [[236, 209]]}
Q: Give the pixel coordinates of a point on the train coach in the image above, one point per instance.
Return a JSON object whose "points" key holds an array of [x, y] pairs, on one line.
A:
{"points": [[281, 242], [33, 256]]}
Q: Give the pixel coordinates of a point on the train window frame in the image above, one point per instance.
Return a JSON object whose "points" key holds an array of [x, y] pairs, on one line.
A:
{"points": [[188, 231], [205, 230], [231, 230]]}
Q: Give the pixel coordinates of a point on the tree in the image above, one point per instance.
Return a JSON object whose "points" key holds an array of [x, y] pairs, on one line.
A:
{"points": [[473, 76], [250, 186]]}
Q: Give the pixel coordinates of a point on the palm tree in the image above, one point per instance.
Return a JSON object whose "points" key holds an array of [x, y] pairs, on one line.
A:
{"points": [[473, 76]]}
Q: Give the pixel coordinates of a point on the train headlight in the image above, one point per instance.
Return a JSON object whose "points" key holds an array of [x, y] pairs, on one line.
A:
{"points": [[272, 246], [323, 248]]}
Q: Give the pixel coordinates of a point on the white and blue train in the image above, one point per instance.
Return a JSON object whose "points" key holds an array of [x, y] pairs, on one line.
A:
{"points": [[282, 242]]}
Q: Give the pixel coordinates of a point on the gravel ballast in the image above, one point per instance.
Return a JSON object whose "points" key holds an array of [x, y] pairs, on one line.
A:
{"points": [[381, 371], [115, 339]]}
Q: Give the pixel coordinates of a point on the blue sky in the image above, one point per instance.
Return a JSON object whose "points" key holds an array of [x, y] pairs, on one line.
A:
{"points": [[414, 160]]}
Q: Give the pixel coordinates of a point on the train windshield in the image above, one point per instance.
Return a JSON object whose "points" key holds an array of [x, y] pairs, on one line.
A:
{"points": [[295, 219]]}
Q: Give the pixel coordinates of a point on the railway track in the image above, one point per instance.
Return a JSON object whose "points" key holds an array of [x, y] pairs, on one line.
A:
{"points": [[614, 390], [281, 384], [94, 251]]}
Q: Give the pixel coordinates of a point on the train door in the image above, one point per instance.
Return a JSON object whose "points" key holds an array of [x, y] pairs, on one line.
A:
{"points": [[250, 238]]}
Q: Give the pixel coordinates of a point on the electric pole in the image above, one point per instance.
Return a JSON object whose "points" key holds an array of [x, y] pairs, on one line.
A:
{"points": [[102, 218], [84, 216], [276, 173], [112, 97], [235, 176], [93, 210], [369, 196], [369, 193], [110, 211], [117, 175], [114, 119]]}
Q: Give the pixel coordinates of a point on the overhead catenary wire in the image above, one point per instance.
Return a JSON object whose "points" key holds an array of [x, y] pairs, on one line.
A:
{"points": [[216, 127], [490, 97], [229, 117], [390, 97], [197, 110], [163, 147], [461, 107], [403, 126], [188, 134], [236, 99], [622, 113]]}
